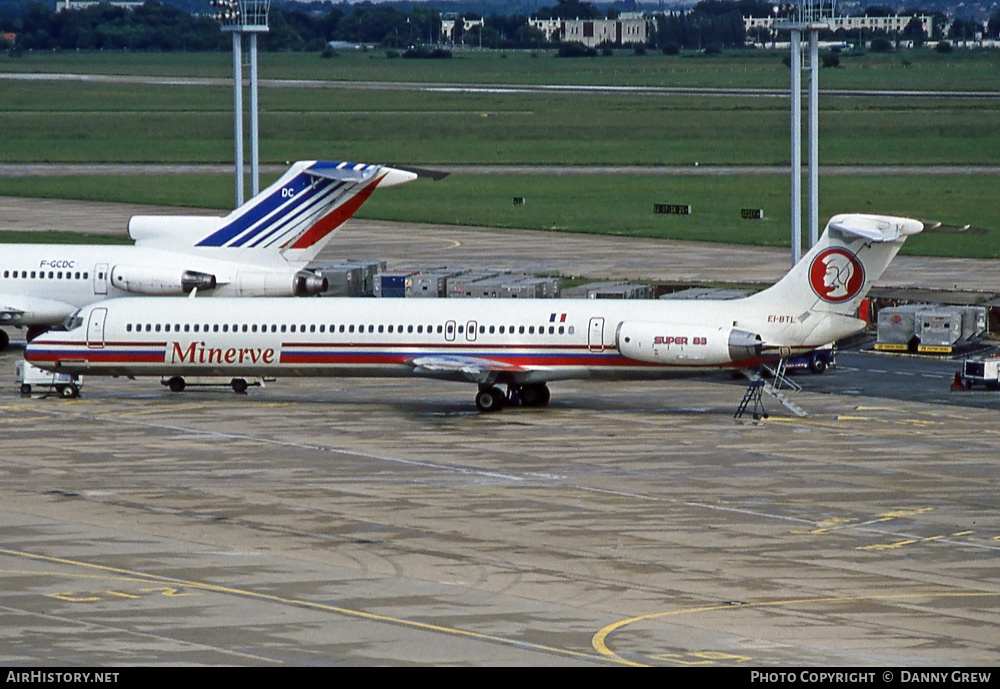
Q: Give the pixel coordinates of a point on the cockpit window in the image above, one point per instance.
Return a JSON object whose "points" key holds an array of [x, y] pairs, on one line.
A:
{"points": [[71, 322]]}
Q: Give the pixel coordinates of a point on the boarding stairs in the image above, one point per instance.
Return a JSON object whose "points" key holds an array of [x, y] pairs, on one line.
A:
{"points": [[758, 385]]}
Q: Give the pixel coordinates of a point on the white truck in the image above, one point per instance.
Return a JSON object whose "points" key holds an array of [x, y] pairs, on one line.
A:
{"points": [[31, 378], [982, 371]]}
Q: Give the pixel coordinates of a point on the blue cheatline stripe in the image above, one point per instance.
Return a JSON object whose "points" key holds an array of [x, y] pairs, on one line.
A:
{"points": [[245, 223], [256, 213], [284, 220], [326, 197], [264, 217], [267, 206]]}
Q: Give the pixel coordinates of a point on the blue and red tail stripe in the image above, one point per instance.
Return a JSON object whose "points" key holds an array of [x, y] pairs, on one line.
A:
{"points": [[281, 216]]}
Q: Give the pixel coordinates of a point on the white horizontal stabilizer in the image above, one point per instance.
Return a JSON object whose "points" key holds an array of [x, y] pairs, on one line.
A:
{"points": [[875, 228], [390, 178]]}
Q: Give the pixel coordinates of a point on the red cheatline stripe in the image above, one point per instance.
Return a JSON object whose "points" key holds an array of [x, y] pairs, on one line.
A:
{"points": [[336, 218]]}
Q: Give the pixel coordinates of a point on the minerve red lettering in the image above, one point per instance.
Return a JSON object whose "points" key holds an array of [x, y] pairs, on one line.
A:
{"points": [[183, 356], [196, 352]]}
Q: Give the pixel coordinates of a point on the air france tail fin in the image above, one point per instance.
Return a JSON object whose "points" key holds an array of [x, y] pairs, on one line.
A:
{"points": [[292, 219], [836, 274]]}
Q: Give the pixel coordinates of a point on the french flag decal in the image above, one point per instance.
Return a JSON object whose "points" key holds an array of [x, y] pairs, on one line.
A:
{"points": [[557, 318]]}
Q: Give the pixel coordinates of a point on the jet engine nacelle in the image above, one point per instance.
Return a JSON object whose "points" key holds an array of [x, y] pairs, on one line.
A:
{"points": [[159, 281], [678, 343], [278, 284]]}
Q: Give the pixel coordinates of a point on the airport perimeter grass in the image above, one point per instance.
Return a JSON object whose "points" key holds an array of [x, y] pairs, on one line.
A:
{"points": [[85, 122], [608, 204], [907, 70], [112, 122]]}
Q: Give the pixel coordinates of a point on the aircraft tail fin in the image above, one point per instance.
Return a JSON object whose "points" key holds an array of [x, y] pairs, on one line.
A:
{"points": [[293, 218], [837, 273]]}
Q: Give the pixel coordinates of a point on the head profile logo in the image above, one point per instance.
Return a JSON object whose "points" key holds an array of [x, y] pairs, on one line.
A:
{"points": [[836, 275]]}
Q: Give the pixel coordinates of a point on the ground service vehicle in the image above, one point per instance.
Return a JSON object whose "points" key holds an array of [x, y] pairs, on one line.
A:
{"points": [[985, 372]]}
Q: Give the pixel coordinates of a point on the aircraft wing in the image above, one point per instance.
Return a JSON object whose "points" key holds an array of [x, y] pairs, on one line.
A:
{"points": [[16, 309], [474, 369]]}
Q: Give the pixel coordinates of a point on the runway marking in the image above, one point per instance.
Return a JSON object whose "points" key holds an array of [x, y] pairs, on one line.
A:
{"points": [[454, 242], [297, 602], [599, 640], [911, 541], [70, 598], [704, 658], [881, 519]]}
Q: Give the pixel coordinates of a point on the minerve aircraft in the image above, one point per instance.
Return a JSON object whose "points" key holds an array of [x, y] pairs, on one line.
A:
{"points": [[520, 344], [260, 249]]}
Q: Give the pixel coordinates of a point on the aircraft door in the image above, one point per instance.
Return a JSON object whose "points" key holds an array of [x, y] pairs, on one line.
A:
{"points": [[95, 328], [449, 331], [101, 278], [596, 336], [470, 331]]}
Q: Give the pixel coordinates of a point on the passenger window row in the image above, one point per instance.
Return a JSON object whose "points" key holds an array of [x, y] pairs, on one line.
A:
{"points": [[42, 275], [344, 328]]}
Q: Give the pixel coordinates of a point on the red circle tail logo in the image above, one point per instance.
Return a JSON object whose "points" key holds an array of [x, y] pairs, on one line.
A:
{"points": [[836, 275]]}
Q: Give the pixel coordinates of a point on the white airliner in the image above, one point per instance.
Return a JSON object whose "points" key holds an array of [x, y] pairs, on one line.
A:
{"points": [[521, 344], [260, 249]]}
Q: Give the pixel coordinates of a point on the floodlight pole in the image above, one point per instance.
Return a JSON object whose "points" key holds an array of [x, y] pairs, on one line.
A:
{"points": [[238, 113], [254, 145], [813, 137], [796, 94], [810, 17], [244, 16]]}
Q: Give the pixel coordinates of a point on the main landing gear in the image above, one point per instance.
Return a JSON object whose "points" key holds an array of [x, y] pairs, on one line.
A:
{"points": [[492, 398]]}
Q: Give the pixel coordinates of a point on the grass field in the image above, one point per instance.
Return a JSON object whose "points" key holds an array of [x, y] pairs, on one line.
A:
{"points": [[79, 122], [905, 70], [608, 204], [101, 122]]}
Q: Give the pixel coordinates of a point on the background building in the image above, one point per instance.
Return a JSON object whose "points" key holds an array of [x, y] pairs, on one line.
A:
{"points": [[627, 29]]}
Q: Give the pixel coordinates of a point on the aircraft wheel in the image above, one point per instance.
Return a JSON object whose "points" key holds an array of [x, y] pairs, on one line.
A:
{"points": [[4, 339], [529, 395], [543, 393], [239, 386], [176, 384], [535, 395], [490, 399]]}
